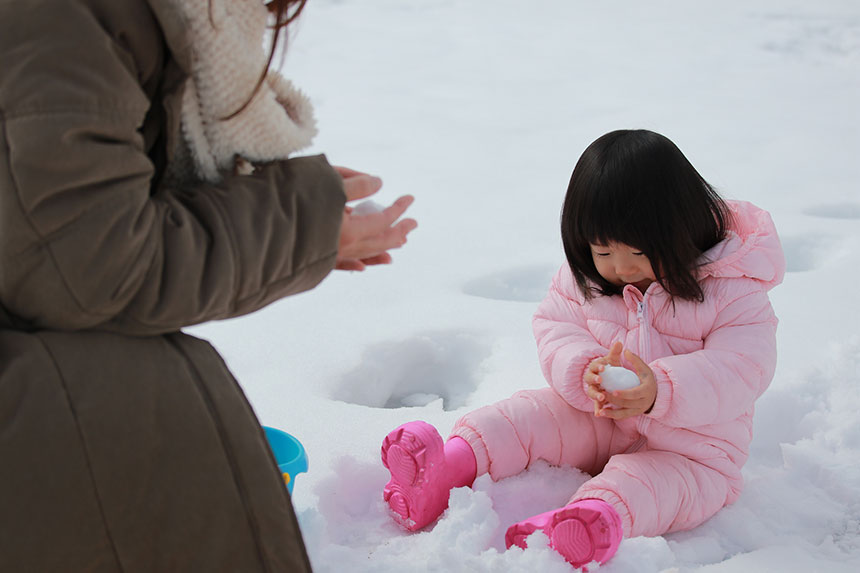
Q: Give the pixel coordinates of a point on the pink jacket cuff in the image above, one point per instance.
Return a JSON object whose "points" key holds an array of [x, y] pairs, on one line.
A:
{"points": [[482, 456], [664, 394], [574, 391]]}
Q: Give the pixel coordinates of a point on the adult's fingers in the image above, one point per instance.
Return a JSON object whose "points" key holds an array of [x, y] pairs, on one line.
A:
{"points": [[390, 238], [396, 209], [349, 265], [346, 172], [402, 229], [373, 224], [381, 259], [361, 186], [357, 244]]}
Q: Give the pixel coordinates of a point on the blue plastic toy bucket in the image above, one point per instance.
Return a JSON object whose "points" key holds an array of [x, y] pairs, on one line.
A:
{"points": [[289, 453]]}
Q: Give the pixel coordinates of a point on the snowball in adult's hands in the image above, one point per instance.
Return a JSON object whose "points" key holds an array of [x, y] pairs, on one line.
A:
{"points": [[618, 378], [367, 208]]}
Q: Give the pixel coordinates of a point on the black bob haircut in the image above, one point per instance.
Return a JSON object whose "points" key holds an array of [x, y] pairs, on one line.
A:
{"points": [[636, 187]]}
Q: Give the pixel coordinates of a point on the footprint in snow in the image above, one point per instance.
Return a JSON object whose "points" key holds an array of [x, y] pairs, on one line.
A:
{"points": [[415, 372], [519, 284], [809, 252], [835, 211]]}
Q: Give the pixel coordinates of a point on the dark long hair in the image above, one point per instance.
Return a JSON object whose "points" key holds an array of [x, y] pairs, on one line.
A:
{"points": [[284, 12], [636, 187]]}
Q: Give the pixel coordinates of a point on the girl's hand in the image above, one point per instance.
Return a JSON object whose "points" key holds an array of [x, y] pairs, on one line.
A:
{"points": [[591, 378], [635, 401], [366, 239]]}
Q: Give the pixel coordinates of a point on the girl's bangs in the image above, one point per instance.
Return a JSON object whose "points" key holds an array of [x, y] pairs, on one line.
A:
{"points": [[613, 216]]}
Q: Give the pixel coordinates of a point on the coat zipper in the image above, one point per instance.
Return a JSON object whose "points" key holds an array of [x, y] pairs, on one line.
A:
{"points": [[644, 335], [645, 355]]}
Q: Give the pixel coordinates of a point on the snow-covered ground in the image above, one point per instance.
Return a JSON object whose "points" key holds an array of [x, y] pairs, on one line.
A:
{"points": [[480, 108]]}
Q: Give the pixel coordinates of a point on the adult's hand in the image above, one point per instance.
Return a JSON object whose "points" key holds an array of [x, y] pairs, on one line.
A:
{"points": [[366, 239]]}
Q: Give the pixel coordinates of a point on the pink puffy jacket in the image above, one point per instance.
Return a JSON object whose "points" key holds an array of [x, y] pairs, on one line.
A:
{"points": [[711, 359]]}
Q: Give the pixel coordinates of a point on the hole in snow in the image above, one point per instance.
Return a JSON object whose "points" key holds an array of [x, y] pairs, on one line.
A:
{"points": [[416, 372], [521, 284], [809, 252], [835, 211]]}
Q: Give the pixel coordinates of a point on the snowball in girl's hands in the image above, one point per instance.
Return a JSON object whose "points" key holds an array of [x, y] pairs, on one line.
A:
{"points": [[367, 207], [618, 378]]}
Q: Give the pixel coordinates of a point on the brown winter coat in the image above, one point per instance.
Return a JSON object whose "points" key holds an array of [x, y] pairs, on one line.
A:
{"points": [[126, 445]]}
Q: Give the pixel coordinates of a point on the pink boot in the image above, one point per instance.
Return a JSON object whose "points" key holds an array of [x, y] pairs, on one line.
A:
{"points": [[584, 531], [423, 472]]}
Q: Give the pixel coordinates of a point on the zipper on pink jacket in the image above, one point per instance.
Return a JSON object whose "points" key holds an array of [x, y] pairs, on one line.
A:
{"points": [[644, 335], [645, 355]]}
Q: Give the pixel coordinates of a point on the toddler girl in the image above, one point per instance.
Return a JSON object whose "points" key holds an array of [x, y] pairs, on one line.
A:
{"points": [[663, 277]]}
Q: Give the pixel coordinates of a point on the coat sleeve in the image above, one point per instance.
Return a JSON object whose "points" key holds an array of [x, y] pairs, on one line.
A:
{"points": [[565, 345], [721, 382], [86, 242]]}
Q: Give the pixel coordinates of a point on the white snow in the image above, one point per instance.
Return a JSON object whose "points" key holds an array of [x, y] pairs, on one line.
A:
{"points": [[614, 378], [367, 207], [480, 109]]}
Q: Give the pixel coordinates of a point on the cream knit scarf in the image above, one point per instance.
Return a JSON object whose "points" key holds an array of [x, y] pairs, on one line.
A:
{"points": [[227, 59]]}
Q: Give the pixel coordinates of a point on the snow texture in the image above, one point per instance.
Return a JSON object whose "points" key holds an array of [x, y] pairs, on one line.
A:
{"points": [[614, 378], [367, 207], [480, 109]]}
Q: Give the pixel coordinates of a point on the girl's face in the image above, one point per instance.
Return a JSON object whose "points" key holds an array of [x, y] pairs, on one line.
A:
{"points": [[621, 265]]}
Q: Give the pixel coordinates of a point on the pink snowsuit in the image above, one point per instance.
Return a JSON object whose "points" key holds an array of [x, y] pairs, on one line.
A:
{"points": [[673, 468]]}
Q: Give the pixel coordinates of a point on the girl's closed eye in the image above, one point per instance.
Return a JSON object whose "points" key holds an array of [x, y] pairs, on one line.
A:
{"points": [[621, 264]]}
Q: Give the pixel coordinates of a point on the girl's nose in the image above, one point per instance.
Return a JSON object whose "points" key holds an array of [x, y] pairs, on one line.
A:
{"points": [[625, 269]]}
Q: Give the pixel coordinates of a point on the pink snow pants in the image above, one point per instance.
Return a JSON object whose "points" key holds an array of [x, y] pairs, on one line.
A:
{"points": [[654, 491]]}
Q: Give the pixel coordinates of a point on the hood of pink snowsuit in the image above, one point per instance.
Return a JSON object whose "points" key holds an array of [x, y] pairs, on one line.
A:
{"points": [[712, 360], [752, 249]]}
